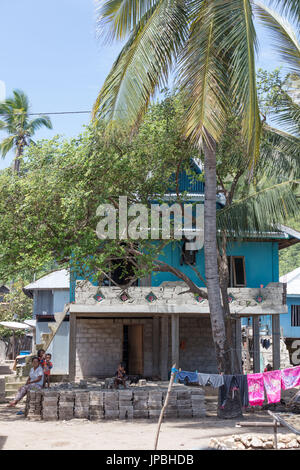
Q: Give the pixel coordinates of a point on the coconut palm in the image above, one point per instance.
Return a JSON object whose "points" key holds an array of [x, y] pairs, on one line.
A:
{"points": [[14, 119], [212, 46]]}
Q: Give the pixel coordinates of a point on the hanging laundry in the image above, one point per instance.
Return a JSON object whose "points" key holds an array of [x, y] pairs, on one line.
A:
{"points": [[216, 380], [183, 376], [290, 378], [256, 389], [230, 384], [243, 388], [272, 382], [203, 379]]}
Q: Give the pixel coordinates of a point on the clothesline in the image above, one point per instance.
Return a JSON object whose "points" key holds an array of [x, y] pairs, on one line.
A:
{"points": [[251, 386]]}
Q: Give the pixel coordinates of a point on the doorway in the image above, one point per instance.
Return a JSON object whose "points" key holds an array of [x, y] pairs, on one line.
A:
{"points": [[133, 351]]}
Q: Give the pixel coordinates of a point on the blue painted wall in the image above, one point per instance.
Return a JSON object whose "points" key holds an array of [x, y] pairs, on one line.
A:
{"points": [[290, 331], [261, 262]]}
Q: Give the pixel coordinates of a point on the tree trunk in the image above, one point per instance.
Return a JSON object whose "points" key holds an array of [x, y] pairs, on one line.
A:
{"points": [[217, 316], [211, 259]]}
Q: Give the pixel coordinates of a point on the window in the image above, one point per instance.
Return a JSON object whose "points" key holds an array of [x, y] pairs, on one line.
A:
{"points": [[237, 272], [295, 315]]}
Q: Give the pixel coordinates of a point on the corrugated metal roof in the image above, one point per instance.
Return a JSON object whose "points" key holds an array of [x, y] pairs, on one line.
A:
{"points": [[292, 280], [55, 280]]}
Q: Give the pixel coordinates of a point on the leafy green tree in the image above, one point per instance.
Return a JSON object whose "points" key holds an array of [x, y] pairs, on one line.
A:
{"points": [[15, 120], [213, 46]]}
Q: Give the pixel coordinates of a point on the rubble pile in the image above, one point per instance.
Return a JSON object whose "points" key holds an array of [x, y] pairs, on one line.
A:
{"points": [[255, 442]]}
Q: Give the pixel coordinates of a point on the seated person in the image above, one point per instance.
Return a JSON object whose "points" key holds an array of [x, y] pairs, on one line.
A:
{"points": [[121, 376], [35, 381]]}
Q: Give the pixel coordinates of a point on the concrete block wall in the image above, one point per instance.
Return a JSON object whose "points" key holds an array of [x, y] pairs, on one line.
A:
{"points": [[198, 353], [99, 346]]}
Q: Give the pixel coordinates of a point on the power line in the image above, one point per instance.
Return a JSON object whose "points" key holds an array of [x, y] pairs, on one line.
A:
{"points": [[59, 112]]}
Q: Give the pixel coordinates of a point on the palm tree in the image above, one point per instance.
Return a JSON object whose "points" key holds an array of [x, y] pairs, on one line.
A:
{"points": [[212, 44], [15, 121]]}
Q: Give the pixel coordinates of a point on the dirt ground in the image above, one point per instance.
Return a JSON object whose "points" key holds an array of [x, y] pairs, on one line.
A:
{"points": [[16, 432]]}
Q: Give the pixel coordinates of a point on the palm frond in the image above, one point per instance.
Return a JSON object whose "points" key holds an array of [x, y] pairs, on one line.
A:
{"points": [[261, 211], [284, 37], [203, 78], [289, 116], [288, 8], [42, 121], [143, 64], [235, 27], [120, 17], [6, 145]]}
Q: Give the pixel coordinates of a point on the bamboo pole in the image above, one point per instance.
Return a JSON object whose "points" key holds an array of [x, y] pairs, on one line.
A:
{"points": [[173, 373]]}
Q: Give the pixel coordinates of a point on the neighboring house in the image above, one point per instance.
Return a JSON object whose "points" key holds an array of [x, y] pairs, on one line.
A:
{"points": [[157, 322], [50, 294], [291, 323]]}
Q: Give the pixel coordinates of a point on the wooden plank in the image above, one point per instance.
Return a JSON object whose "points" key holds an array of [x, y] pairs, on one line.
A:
{"points": [[256, 344], [175, 339], [276, 341], [155, 346], [72, 347], [164, 347]]}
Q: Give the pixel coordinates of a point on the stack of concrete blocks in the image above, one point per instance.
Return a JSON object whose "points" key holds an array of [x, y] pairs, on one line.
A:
{"points": [[111, 405], [198, 403], [82, 403], [171, 409], [50, 402], [66, 405], [184, 404], [140, 404], [155, 404], [96, 407], [126, 404], [33, 406]]}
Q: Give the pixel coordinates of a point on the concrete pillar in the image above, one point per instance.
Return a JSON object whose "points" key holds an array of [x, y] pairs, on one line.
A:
{"points": [[256, 344], [238, 343], [72, 347], [276, 341], [164, 347], [175, 339], [155, 346]]}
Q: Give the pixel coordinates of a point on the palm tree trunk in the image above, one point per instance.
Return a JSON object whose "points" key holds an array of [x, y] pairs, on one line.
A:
{"points": [[217, 315], [19, 152], [211, 258]]}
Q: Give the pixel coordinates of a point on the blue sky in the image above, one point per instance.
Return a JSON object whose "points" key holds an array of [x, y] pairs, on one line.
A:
{"points": [[49, 50]]}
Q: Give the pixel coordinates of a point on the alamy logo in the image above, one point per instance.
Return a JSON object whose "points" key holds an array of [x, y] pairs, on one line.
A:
{"points": [[2, 91], [157, 222]]}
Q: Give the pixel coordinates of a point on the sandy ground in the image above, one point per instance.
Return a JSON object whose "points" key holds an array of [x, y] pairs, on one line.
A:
{"points": [[16, 432]]}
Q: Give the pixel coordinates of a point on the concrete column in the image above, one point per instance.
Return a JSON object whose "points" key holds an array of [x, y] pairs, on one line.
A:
{"points": [[175, 339], [256, 344], [276, 341], [72, 347], [238, 343], [164, 347], [155, 346]]}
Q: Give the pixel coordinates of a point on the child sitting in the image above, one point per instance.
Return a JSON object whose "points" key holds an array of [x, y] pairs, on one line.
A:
{"points": [[47, 366], [121, 376]]}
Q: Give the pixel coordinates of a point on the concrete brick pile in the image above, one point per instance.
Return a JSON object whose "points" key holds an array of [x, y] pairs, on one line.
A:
{"points": [[33, 408], [66, 405], [96, 408], [133, 403], [111, 405], [50, 406], [126, 404], [82, 403], [155, 404], [140, 404]]}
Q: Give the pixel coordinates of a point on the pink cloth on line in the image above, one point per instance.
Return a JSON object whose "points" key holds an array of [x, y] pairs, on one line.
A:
{"points": [[256, 389], [290, 378], [272, 382]]}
